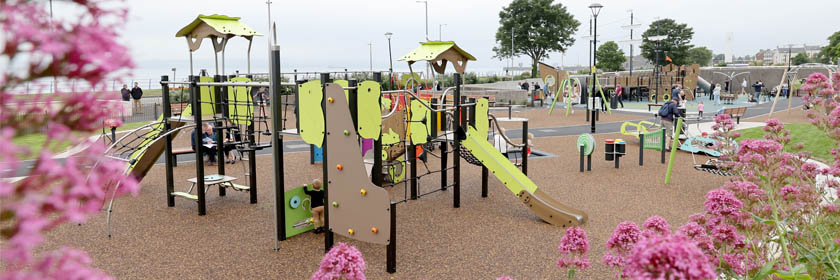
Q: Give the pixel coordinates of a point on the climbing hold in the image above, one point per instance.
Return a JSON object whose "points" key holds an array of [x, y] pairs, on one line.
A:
{"points": [[346, 132], [374, 230], [335, 203], [330, 100], [364, 192], [351, 231], [339, 167]]}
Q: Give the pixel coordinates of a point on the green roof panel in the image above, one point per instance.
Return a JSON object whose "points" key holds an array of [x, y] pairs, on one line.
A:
{"points": [[428, 51], [220, 23]]}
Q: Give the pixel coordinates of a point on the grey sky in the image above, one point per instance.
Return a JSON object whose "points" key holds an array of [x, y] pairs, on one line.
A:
{"points": [[321, 35]]}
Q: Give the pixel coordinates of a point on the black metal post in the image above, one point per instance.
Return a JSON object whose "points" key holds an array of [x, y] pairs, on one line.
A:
{"points": [[353, 102], [391, 250], [443, 159], [525, 148], [581, 158], [195, 96], [456, 196], [167, 113], [641, 149], [662, 147], [412, 161], [376, 171], [328, 234], [276, 147], [220, 96], [252, 141], [589, 162], [484, 178], [434, 120]]}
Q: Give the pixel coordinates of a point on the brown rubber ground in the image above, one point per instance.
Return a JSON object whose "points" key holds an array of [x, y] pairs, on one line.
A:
{"points": [[483, 239]]}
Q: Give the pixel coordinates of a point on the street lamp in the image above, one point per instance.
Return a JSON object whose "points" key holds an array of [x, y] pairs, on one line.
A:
{"points": [[426, 3], [390, 61], [173, 74], [596, 9], [440, 31], [370, 47], [656, 64]]}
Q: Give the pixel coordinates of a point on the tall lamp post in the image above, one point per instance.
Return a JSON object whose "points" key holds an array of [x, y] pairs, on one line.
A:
{"points": [[370, 48], [173, 74], [390, 62], [656, 64], [440, 31], [596, 9], [426, 3]]}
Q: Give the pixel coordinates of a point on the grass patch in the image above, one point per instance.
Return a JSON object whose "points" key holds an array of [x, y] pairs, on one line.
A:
{"points": [[815, 140], [35, 142]]}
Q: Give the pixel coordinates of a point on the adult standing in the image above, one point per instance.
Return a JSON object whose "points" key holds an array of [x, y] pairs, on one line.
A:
{"points": [[711, 91], [137, 93], [125, 93], [716, 93], [757, 91], [744, 86], [671, 112]]}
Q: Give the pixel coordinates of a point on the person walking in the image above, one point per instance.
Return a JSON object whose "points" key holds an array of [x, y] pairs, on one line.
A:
{"points": [[757, 88], [619, 92], [744, 86], [125, 93], [137, 93], [711, 92], [669, 112], [716, 94]]}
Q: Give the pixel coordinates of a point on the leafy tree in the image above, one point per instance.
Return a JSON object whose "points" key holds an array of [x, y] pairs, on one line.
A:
{"points": [[700, 55], [719, 58], [610, 57], [675, 46], [831, 52], [800, 58], [538, 27]]}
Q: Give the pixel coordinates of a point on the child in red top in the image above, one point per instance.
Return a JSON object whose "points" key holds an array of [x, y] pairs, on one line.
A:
{"points": [[700, 108]]}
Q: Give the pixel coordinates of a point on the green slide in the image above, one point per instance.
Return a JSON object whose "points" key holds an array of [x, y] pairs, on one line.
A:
{"points": [[540, 203]]}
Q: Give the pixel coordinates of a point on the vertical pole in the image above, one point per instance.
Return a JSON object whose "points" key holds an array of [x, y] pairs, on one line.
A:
{"points": [[252, 153], [525, 148], [677, 132], [581, 158], [662, 148], [376, 171], [220, 94], [434, 119], [456, 197], [641, 149], [328, 235], [353, 102], [391, 250], [443, 160], [195, 96], [484, 177], [167, 112], [631, 44], [594, 81], [589, 162], [412, 161], [276, 147]]}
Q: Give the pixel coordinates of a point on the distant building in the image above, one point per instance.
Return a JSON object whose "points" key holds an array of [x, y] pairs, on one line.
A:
{"points": [[781, 55], [639, 63]]}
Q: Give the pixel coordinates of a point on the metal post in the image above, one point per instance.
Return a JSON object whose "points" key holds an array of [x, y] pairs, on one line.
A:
{"points": [[221, 97], [641, 149], [594, 79], [376, 171], [443, 159], [252, 139], [276, 148], [412, 161], [589, 162], [353, 102], [484, 177], [391, 250], [631, 44], [456, 197], [328, 234], [167, 112], [195, 96], [662, 148], [525, 148], [581, 158]]}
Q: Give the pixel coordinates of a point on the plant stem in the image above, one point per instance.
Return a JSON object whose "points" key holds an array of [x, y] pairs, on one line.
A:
{"points": [[782, 239]]}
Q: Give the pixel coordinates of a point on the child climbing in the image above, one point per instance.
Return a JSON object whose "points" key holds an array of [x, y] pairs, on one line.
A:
{"points": [[317, 205], [700, 108]]}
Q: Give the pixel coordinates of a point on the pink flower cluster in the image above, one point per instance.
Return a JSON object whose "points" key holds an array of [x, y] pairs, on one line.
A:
{"points": [[573, 248], [341, 262], [620, 244], [671, 256]]}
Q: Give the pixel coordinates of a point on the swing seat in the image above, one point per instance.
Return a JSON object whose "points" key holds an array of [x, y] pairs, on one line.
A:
{"points": [[186, 195]]}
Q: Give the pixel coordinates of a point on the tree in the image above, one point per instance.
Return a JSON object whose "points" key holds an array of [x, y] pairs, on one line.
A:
{"points": [[700, 55], [610, 57], [538, 27], [831, 52], [800, 58], [675, 46]]}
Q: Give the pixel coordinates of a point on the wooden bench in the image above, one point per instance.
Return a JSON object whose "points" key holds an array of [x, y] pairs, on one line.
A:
{"points": [[180, 151], [728, 98], [736, 112], [653, 105]]}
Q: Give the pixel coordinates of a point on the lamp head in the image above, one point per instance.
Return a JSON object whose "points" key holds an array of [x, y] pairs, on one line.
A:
{"points": [[596, 9], [388, 35]]}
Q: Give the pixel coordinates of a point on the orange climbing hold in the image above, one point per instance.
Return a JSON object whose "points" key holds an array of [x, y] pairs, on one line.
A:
{"points": [[351, 231], [339, 167], [330, 100], [364, 192], [374, 230]]}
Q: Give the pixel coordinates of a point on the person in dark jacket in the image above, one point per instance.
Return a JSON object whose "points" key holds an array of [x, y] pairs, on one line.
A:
{"points": [[316, 203], [208, 137], [125, 93], [673, 112], [137, 93]]}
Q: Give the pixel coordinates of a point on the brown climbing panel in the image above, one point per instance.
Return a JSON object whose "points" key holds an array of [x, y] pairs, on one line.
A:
{"points": [[357, 208], [551, 211]]}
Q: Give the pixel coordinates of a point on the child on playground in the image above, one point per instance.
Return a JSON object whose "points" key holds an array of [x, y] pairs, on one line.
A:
{"points": [[317, 205], [700, 108]]}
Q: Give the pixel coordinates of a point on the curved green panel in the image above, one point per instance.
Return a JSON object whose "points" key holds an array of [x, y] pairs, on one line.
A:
{"points": [[208, 99], [370, 119], [345, 84], [311, 113], [240, 103], [482, 124], [418, 128], [298, 219]]}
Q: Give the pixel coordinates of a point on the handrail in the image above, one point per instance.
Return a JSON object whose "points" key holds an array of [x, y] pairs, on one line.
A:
{"points": [[499, 128]]}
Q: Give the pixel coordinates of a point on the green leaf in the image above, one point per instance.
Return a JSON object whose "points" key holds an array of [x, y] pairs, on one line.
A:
{"points": [[765, 271], [799, 272], [763, 221]]}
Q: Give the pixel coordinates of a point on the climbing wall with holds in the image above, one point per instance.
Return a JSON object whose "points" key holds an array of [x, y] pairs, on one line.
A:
{"points": [[357, 208]]}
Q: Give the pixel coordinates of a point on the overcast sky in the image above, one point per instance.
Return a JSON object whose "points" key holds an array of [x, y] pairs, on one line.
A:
{"points": [[331, 35]]}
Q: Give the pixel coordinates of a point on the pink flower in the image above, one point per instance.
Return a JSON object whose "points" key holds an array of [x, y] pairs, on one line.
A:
{"points": [[727, 234], [735, 262], [672, 256], [619, 245], [573, 248], [656, 224], [722, 202], [341, 262], [745, 190]]}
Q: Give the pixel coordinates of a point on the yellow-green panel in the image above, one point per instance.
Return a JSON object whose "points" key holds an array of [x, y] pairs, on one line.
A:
{"points": [[344, 83], [370, 119], [498, 164], [240, 103], [208, 99], [311, 113], [431, 50], [150, 136], [482, 125], [419, 131]]}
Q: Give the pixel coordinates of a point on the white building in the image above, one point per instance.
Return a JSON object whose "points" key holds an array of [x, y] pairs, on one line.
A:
{"points": [[781, 55]]}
